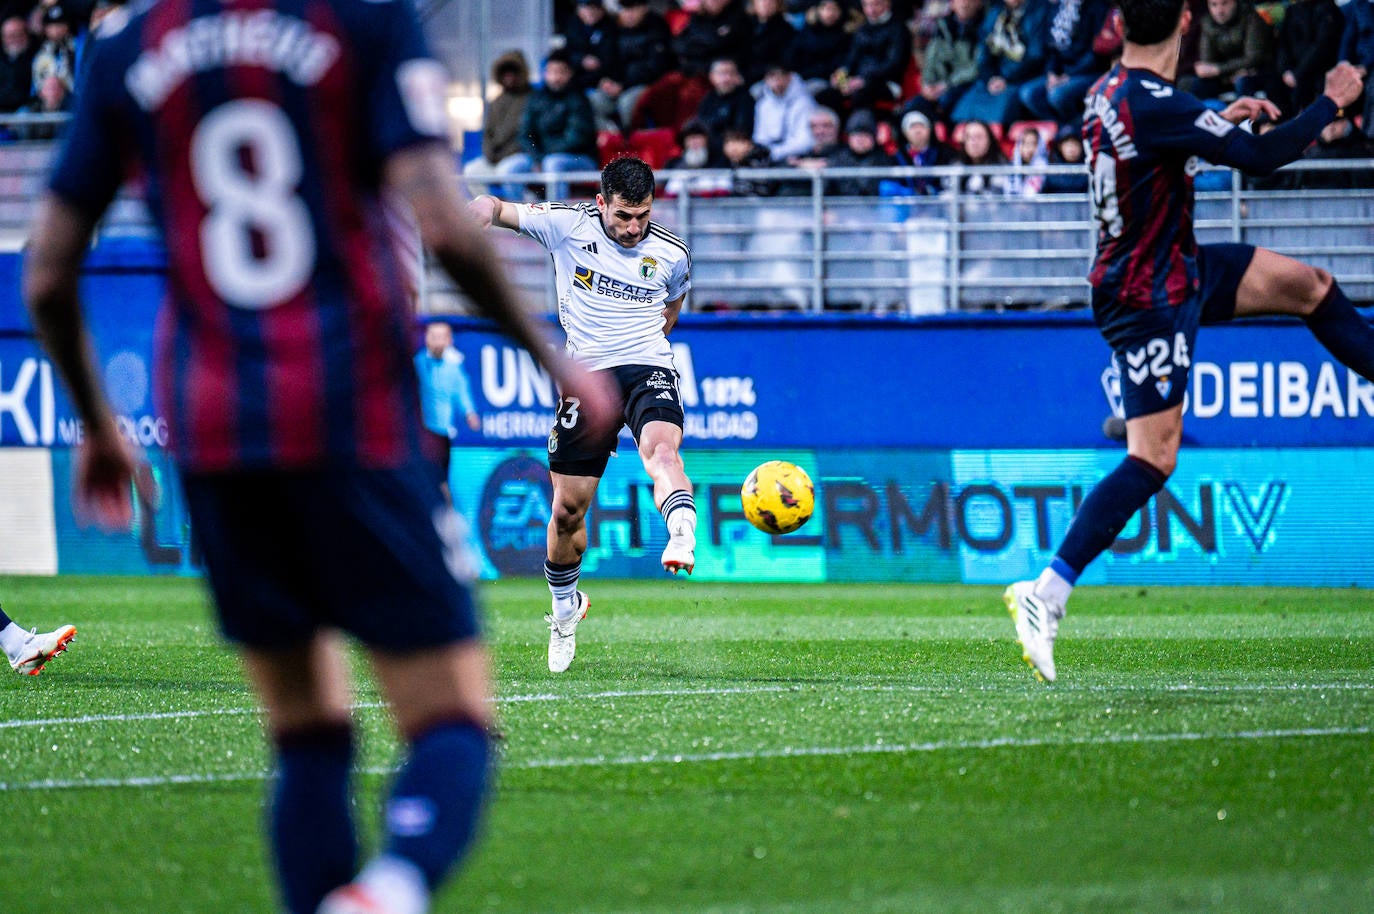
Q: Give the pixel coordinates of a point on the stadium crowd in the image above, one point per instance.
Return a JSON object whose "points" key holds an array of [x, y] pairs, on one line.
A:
{"points": [[720, 84]]}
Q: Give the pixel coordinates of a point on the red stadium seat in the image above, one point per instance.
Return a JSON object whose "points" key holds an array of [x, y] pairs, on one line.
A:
{"points": [[956, 139], [609, 144], [655, 145]]}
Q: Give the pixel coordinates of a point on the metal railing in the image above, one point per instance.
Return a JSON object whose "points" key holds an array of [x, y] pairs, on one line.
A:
{"points": [[805, 250]]}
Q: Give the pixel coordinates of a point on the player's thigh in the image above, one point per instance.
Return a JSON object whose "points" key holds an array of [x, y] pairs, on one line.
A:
{"points": [[303, 686], [656, 434], [1275, 284], [427, 686]]}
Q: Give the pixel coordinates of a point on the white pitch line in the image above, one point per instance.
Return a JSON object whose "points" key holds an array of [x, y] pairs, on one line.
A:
{"points": [[734, 690], [744, 755]]}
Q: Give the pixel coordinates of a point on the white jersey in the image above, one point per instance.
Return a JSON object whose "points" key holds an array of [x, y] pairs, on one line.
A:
{"points": [[610, 297]]}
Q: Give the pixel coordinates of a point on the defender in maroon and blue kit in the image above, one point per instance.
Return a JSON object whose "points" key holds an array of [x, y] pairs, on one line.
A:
{"points": [[266, 135], [1153, 285]]}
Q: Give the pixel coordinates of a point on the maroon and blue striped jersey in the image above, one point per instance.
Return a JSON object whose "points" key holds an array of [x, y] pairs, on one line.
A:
{"points": [[1144, 138], [259, 130]]}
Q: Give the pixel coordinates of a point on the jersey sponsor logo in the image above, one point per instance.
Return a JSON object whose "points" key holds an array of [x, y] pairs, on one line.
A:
{"points": [[1101, 107], [647, 268], [590, 248], [1213, 123], [659, 381], [1158, 90], [601, 284]]}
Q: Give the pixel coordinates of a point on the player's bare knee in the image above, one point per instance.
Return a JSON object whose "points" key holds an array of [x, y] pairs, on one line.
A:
{"points": [[568, 515], [665, 458], [1310, 287]]}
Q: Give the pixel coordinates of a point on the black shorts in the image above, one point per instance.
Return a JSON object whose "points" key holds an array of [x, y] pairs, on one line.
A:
{"points": [[1153, 348], [647, 394], [373, 552]]}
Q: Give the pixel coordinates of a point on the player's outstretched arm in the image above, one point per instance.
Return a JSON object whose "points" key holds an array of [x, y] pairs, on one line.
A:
{"points": [[1263, 155], [425, 176], [489, 210], [106, 463]]}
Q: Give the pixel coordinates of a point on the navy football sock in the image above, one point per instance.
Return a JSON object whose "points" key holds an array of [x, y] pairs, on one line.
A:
{"points": [[1106, 510], [311, 825], [1344, 332], [4, 619], [437, 798]]}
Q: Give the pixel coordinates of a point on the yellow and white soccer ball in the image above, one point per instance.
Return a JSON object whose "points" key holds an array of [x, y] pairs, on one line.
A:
{"points": [[778, 497]]}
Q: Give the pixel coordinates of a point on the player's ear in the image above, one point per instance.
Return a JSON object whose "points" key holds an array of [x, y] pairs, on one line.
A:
{"points": [[600, 202]]}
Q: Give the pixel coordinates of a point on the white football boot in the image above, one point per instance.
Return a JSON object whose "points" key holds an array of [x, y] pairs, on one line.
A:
{"points": [[352, 899], [563, 635], [680, 553], [39, 649], [1037, 624]]}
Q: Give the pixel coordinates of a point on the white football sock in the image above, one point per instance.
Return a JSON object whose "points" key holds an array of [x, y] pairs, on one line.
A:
{"points": [[397, 883], [1053, 587], [12, 640]]}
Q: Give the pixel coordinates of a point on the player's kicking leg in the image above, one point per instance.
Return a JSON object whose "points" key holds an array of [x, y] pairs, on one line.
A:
{"points": [[28, 651], [659, 447], [567, 541]]}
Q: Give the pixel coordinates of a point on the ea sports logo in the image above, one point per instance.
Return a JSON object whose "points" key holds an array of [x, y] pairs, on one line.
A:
{"points": [[513, 517]]}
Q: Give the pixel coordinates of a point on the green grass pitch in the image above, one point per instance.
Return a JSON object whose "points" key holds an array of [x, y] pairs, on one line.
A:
{"points": [[737, 749]]}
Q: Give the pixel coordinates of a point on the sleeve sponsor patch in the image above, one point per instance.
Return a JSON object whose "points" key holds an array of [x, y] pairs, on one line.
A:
{"points": [[421, 83], [1214, 123]]}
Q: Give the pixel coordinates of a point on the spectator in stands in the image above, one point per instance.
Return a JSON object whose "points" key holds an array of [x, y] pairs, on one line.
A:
{"points": [[979, 147], [1234, 50], [877, 59], [1357, 48], [1028, 161], [822, 45], [16, 64], [642, 56], [770, 41], [557, 132], [1067, 150], [697, 153], [741, 151], [1011, 53], [782, 115], [718, 28], [728, 106], [824, 125], [57, 55], [1309, 45], [1340, 139], [501, 147], [920, 148], [951, 60], [589, 40], [1111, 38], [861, 150], [53, 97], [1071, 67]]}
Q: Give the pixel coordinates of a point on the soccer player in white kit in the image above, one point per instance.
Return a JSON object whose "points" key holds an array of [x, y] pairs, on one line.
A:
{"points": [[621, 283]]}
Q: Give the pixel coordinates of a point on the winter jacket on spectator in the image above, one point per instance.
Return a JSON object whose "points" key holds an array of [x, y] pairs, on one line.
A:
{"points": [[770, 42], [879, 51], [875, 157], [732, 111], [506, 112], [1309, 45], [598, 41], [819, 49], [1358, 45], [1013, 43], [1070, 27], [558, 122], [1241, 44], [643, 54], [781, 120], [708, 35], [16, 79], [952, 54]]}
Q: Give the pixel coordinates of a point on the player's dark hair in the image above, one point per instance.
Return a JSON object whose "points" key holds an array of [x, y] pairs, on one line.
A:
{"points": [[1150, 21], [628, 178]]}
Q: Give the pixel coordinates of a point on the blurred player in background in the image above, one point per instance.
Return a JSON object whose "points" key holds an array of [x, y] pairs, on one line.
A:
{"points": [[1153, 285], [28, 651], [621, 283], [284, 364]]}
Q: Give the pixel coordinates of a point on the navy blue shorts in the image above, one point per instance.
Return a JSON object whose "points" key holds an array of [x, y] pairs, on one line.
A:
{"points": [[1154, 349], [376, 553]]}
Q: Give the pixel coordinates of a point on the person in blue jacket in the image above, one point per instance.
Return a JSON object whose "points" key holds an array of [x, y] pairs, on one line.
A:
{"points": [[445, 395]]}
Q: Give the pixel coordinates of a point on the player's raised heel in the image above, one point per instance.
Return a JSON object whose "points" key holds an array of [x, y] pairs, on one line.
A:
{"points": [[1037, 625], [680, 554], [563, 635], [39, 649]]}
